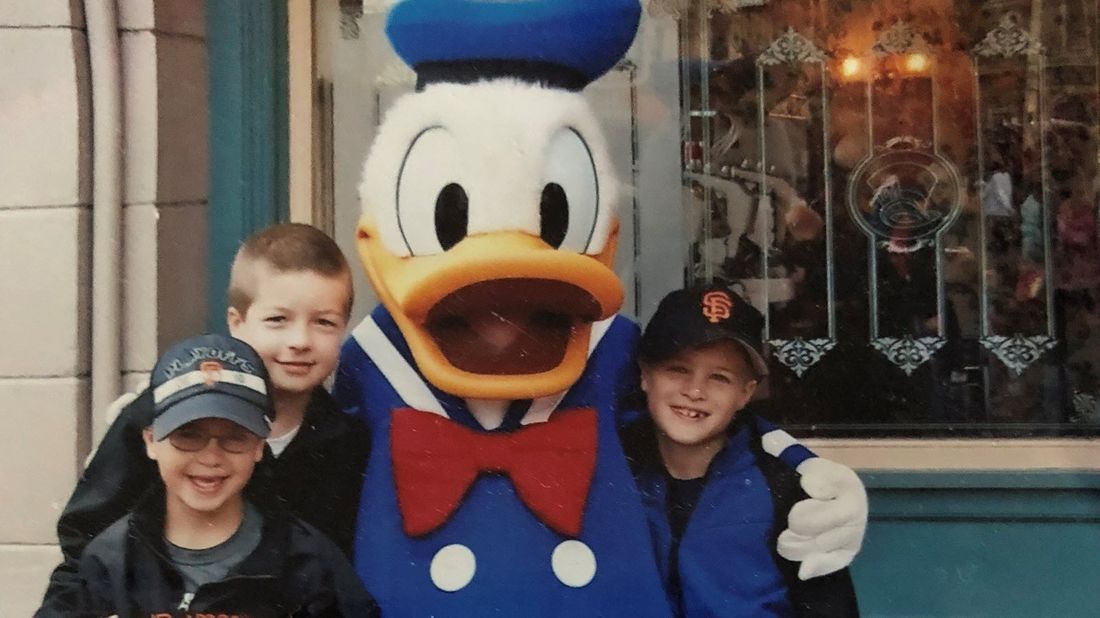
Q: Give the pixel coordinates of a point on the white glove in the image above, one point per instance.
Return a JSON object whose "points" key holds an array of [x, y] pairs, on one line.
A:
{"points": [[825, 531]]}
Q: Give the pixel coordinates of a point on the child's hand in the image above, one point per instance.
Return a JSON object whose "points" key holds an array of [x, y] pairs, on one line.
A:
{"points": [[114, 409], [825, 532], [116, 406]]}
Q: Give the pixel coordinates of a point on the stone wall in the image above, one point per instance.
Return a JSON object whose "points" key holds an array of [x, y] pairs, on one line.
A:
{"points": [[46, 218]]}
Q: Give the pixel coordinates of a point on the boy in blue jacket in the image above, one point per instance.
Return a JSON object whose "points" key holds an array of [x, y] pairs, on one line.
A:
{"points": [[714, 499]]}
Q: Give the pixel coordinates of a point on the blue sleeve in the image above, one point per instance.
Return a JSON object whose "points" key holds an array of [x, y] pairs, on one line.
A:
{"points": [[347, 389], [623, 334], [115, 478]]}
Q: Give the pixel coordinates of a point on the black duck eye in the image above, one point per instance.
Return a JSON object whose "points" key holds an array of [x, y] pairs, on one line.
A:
{"points": [[554, 214], [570, 193], [429, 192], [452, 215]]}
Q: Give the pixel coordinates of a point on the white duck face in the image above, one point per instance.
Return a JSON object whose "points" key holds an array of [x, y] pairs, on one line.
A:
{"points": [[489, 231]]}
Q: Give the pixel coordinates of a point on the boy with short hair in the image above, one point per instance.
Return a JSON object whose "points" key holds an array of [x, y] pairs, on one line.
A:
{"points": [[715, 500], [200, 542], [290, 297]]}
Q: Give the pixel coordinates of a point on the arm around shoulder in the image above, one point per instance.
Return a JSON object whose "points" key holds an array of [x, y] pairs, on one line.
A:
{"points": [[116, 476], [825, 531], [825, 528], [87, 593]]}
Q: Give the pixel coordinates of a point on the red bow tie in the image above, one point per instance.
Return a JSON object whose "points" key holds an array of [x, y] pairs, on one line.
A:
{"points": [[435, 461]]}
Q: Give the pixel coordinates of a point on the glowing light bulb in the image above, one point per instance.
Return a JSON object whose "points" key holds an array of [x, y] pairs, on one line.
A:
{"points": [[850, 66], [916, 62]]}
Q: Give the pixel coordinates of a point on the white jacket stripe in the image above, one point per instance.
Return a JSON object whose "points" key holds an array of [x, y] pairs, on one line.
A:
{"points": [[401, 376], [777, 441]]}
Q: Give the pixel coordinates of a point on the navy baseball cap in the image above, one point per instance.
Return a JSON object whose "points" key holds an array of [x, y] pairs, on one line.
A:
{"points": [[211, 376], [701, 315]]}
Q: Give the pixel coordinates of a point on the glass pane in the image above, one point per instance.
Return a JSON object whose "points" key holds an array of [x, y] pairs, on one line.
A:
{"points": [[910, 193]]}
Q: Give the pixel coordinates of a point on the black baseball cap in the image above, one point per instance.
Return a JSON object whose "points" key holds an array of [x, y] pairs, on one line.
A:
{"points": [[700, 315], [211, 376]]}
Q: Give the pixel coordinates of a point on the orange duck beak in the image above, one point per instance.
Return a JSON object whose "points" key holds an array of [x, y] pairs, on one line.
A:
{"points": [[501, 315]]}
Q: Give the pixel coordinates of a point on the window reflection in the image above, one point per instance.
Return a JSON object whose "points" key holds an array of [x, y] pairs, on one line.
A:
{"points": [[910, 193]]}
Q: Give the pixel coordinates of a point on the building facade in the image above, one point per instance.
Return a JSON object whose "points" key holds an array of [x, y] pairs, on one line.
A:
{"points": [[908, 191]]}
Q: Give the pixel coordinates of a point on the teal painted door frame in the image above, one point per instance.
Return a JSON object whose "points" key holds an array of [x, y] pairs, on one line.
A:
{"points": [[249, 145]]}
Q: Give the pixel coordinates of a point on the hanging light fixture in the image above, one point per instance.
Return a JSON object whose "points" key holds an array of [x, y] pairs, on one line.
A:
{"points": [[916, 63], [850, 67]]}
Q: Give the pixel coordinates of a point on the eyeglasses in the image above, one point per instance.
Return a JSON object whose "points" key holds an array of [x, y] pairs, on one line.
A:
{"points": [[191, 440]]}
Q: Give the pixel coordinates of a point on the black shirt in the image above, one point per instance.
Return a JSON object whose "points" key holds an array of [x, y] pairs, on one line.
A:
{"points": [[683, 495]]}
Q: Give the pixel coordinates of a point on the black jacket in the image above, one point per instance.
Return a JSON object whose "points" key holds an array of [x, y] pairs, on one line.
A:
{"points": [[294, 571], [318, 478], [832, 595]]}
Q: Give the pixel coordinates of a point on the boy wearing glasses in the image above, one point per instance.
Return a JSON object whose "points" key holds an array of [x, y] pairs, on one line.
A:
{"points": [[202, 541], [290, 293], [714, 497]]}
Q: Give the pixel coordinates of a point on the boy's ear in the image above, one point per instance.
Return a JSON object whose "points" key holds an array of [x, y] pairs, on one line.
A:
{"points": [[644, 372], [147, 435], [750, 387], [233, 319], [259, 454]]}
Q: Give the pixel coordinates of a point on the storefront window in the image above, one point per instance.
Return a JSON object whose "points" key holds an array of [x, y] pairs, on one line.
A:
{"points": [[907, 190], [910, 191]]}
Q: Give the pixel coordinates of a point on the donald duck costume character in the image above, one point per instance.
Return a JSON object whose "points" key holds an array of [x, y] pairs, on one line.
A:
{"points": [[491, 371]]}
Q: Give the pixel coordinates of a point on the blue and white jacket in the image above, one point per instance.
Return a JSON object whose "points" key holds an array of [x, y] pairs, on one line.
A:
{"points": [[726, 562], [493, 557]]}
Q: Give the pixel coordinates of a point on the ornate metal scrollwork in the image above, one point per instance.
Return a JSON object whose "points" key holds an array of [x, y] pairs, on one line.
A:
{"points": [[350, 14], [791, 48], [900, 39], [1086, 408], [1008, 39], [800, 354], [1018, 351], [908, 352]]}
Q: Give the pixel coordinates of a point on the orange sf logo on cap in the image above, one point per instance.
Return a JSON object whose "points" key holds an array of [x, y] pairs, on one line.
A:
{"points": [[212, 372], [716, 306]]}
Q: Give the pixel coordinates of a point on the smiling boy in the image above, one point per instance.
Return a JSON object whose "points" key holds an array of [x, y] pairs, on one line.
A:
{"points": [[715, 501], [290, 294], [200, 542]]}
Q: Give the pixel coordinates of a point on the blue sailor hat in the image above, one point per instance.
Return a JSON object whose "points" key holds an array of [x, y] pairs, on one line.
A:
{"points": [[560, 43]]}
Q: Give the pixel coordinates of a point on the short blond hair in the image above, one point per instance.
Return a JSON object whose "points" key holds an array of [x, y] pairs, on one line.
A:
{"points": [[284, 248]]}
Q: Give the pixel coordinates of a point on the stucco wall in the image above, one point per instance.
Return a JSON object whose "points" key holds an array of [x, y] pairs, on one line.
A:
{"points": [[46, 219]]}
